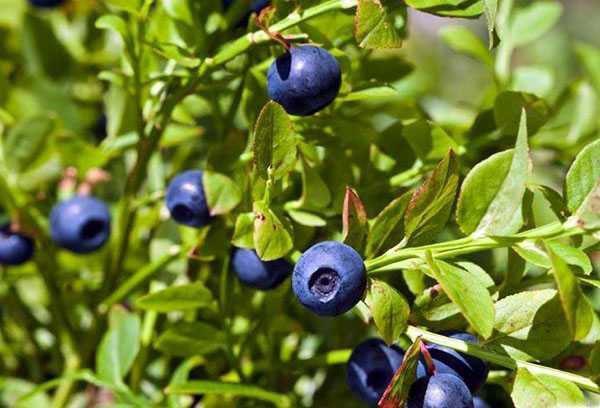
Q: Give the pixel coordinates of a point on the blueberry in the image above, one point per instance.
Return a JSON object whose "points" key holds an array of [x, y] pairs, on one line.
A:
{"points": [[186, 200], [304, 80], [46, 3], [80, 224], [256, 273], [371, 367], [440, 391], [480, 403], [99, 129], [258, 5], [472, 370], [15, 248], [329, 278]]}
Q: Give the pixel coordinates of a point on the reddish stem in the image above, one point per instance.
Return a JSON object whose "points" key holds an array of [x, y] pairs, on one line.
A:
{"points": [[428, 359], [275, 36]]}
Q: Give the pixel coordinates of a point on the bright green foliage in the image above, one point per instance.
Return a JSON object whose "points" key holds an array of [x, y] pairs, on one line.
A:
{"points": [[461, 159]]}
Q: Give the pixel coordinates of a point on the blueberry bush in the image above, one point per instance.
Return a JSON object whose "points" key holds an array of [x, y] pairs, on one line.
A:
{"points": [[299, 203]]}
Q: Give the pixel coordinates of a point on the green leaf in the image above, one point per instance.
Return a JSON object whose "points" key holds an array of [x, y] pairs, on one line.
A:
{"points": [[508, 112], [491, 10], [306, 218], [378, 93], [490, 201], [44, 54], [477, 273], [131, 6], [380, 23], [189, 339], [577, 308], [530, 325], [583, 121], [535, 80], [243, 234], [275, 142], [430, 205], [389, 223], [315, 193], [467, 9], [583, 175], [354, 220], [462, 39], [543, 391], [389, 310], [179, 10], [26, 142], [183, 297], [222, 194], [396, 393], [588, 215], [590, 60], [429, 142], [532, 22], [470, 295], [13, 389], [425, 4], [180, 376], [531, 252], [571, 255], [272, 234], [234, 389], [119, 346], [113, 22]]}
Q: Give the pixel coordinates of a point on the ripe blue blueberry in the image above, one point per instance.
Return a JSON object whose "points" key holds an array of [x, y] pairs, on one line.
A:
{"points": [[440, 391], [471, 370], [371, 367], [15, 248], [186, 200], [80, 224], [304, 80], [256, 273], [99, 130], [480, 403], [329, 278], [46, 3]]}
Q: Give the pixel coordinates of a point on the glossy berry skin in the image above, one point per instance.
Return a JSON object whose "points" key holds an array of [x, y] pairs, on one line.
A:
{"points": [[15, 248], [46, 3], [186, 200], [440, 391], [256, 273], [479, 403], [304, 80], [371, 367], [80, 224], [329, 278], [471, 370]]}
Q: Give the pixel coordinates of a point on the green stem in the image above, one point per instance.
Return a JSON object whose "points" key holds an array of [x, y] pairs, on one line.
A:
{"points": [[148, 325], [468, 245], [242, 44], [501, 360], [226, 320], [22, 316], [407, 177]]}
